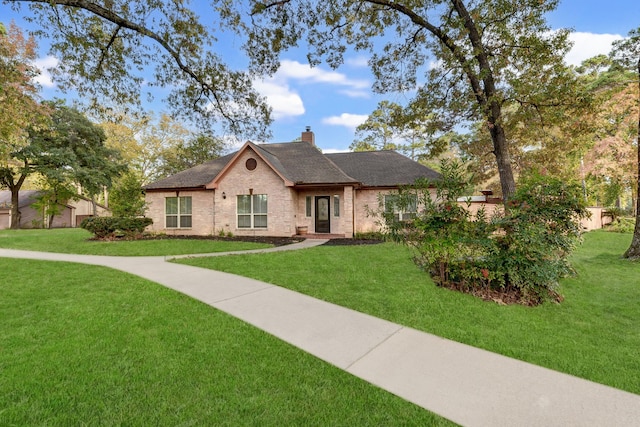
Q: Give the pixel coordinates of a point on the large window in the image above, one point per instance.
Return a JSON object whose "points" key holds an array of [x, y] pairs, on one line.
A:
{"points": [[252, 211], [178, 212], [403, 209]]}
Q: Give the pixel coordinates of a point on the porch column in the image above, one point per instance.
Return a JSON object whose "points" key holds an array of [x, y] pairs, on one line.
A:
{"points": [[349, 211]]}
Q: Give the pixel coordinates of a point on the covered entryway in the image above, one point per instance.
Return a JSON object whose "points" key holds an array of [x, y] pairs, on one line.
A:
{"points": [[323, 219]]}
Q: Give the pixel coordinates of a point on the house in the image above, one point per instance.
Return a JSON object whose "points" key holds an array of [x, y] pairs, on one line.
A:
{"points": [[280, 190], [71, 213]]}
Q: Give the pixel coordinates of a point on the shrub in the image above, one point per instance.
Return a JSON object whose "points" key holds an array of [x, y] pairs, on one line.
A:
{"points": [[520, 253], [112, 227], [369, 235], [622, 225]]}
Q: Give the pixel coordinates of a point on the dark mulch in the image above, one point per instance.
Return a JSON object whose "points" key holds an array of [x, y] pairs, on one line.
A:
{"points": [[505, 296], [275, 241], [352, 242]]}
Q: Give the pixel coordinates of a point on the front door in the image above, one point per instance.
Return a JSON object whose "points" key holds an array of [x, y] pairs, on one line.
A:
{"points": [[323, 224]]}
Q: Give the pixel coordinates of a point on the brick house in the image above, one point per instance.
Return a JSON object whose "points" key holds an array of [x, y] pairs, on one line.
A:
{"points": [[280, 190]]}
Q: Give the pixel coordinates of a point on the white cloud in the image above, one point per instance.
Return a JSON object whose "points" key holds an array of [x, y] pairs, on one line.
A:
{"points": [[286, 101], [588, 45], [281, 98], [303, 72], [347, 120], [44, 64]]}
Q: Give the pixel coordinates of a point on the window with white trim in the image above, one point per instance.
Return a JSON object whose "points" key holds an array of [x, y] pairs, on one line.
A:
{"points": [[252, 211], [403, 209], [177, 212]]}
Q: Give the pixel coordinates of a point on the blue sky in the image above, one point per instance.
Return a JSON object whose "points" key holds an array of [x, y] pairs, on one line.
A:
{"points": [[334, 102]]}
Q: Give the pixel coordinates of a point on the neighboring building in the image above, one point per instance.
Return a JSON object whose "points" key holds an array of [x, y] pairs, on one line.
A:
{"points": [[280, 190], [71, 214], [599, 216]]}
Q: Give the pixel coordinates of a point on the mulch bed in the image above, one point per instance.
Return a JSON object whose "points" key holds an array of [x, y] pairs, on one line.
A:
{"points": [[506, 296], [275, 241]]}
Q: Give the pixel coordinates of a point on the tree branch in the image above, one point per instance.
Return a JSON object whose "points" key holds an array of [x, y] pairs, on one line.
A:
{"points": [[121, 22], [444, 39], [105, 51]]}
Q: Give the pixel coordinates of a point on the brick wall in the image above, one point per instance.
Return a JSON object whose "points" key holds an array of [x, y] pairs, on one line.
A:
{"points": [[341, 224], [281, 200], [201, 216]]}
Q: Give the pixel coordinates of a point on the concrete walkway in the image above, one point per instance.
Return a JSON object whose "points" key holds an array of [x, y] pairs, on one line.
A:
{"points": [[467, 385]]}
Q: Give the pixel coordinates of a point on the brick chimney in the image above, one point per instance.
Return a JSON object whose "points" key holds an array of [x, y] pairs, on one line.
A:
{"points": [[308, 136]]}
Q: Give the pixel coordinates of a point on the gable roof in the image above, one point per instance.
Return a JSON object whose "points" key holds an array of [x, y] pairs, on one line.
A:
{"points": [[303, 164], [382, 168], [195, 177], [300, 163]]}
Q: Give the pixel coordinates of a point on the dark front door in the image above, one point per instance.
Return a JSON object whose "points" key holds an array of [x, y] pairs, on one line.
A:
{"points": [[323, 224]]}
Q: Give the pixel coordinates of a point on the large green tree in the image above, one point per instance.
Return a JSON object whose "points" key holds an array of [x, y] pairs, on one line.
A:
{"points": [[106, 50], [68, 150], [155, 147], [466, 59], [627, 53], [381, 129], [193, 151], [392, 127]]}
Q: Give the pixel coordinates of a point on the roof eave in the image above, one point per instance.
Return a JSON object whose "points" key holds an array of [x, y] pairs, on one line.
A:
{"points": [[166, 189]]}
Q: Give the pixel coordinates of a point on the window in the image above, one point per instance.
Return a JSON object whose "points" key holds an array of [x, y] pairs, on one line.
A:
{"points": [[404, 208], [252, 211], [251, 164], [308, 201], [336, 205], [178, 212]]}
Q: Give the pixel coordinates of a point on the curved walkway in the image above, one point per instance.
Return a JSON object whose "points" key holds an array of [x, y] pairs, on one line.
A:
{"points": [[467, 385]]}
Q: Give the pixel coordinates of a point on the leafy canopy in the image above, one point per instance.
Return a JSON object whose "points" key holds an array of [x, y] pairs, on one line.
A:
{"points": [[465, 60], [105, 49]]}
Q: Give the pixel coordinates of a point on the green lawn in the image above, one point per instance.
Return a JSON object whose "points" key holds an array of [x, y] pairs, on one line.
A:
{"points": [[86, 345], [594, 333], [75, 241]]}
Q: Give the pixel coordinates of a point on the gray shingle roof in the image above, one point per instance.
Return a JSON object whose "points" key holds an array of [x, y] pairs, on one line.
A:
{"points": [[197, 176], [382, 168], [304, 164]]}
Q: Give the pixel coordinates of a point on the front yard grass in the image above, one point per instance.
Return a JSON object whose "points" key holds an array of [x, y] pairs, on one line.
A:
{"points": [[76, 241], [593, 334], [86, 345]]}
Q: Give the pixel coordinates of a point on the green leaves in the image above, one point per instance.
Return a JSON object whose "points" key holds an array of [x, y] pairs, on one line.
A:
{"points": [[519, 254], [104, 53]]}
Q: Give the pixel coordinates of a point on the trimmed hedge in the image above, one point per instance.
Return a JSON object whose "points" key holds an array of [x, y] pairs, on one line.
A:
{"points": [[105, 227]]}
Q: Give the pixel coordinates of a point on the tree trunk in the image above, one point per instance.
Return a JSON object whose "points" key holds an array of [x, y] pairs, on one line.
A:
{"points": [[634, 250], [503, 159], [15, 207], [15, 200]]}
